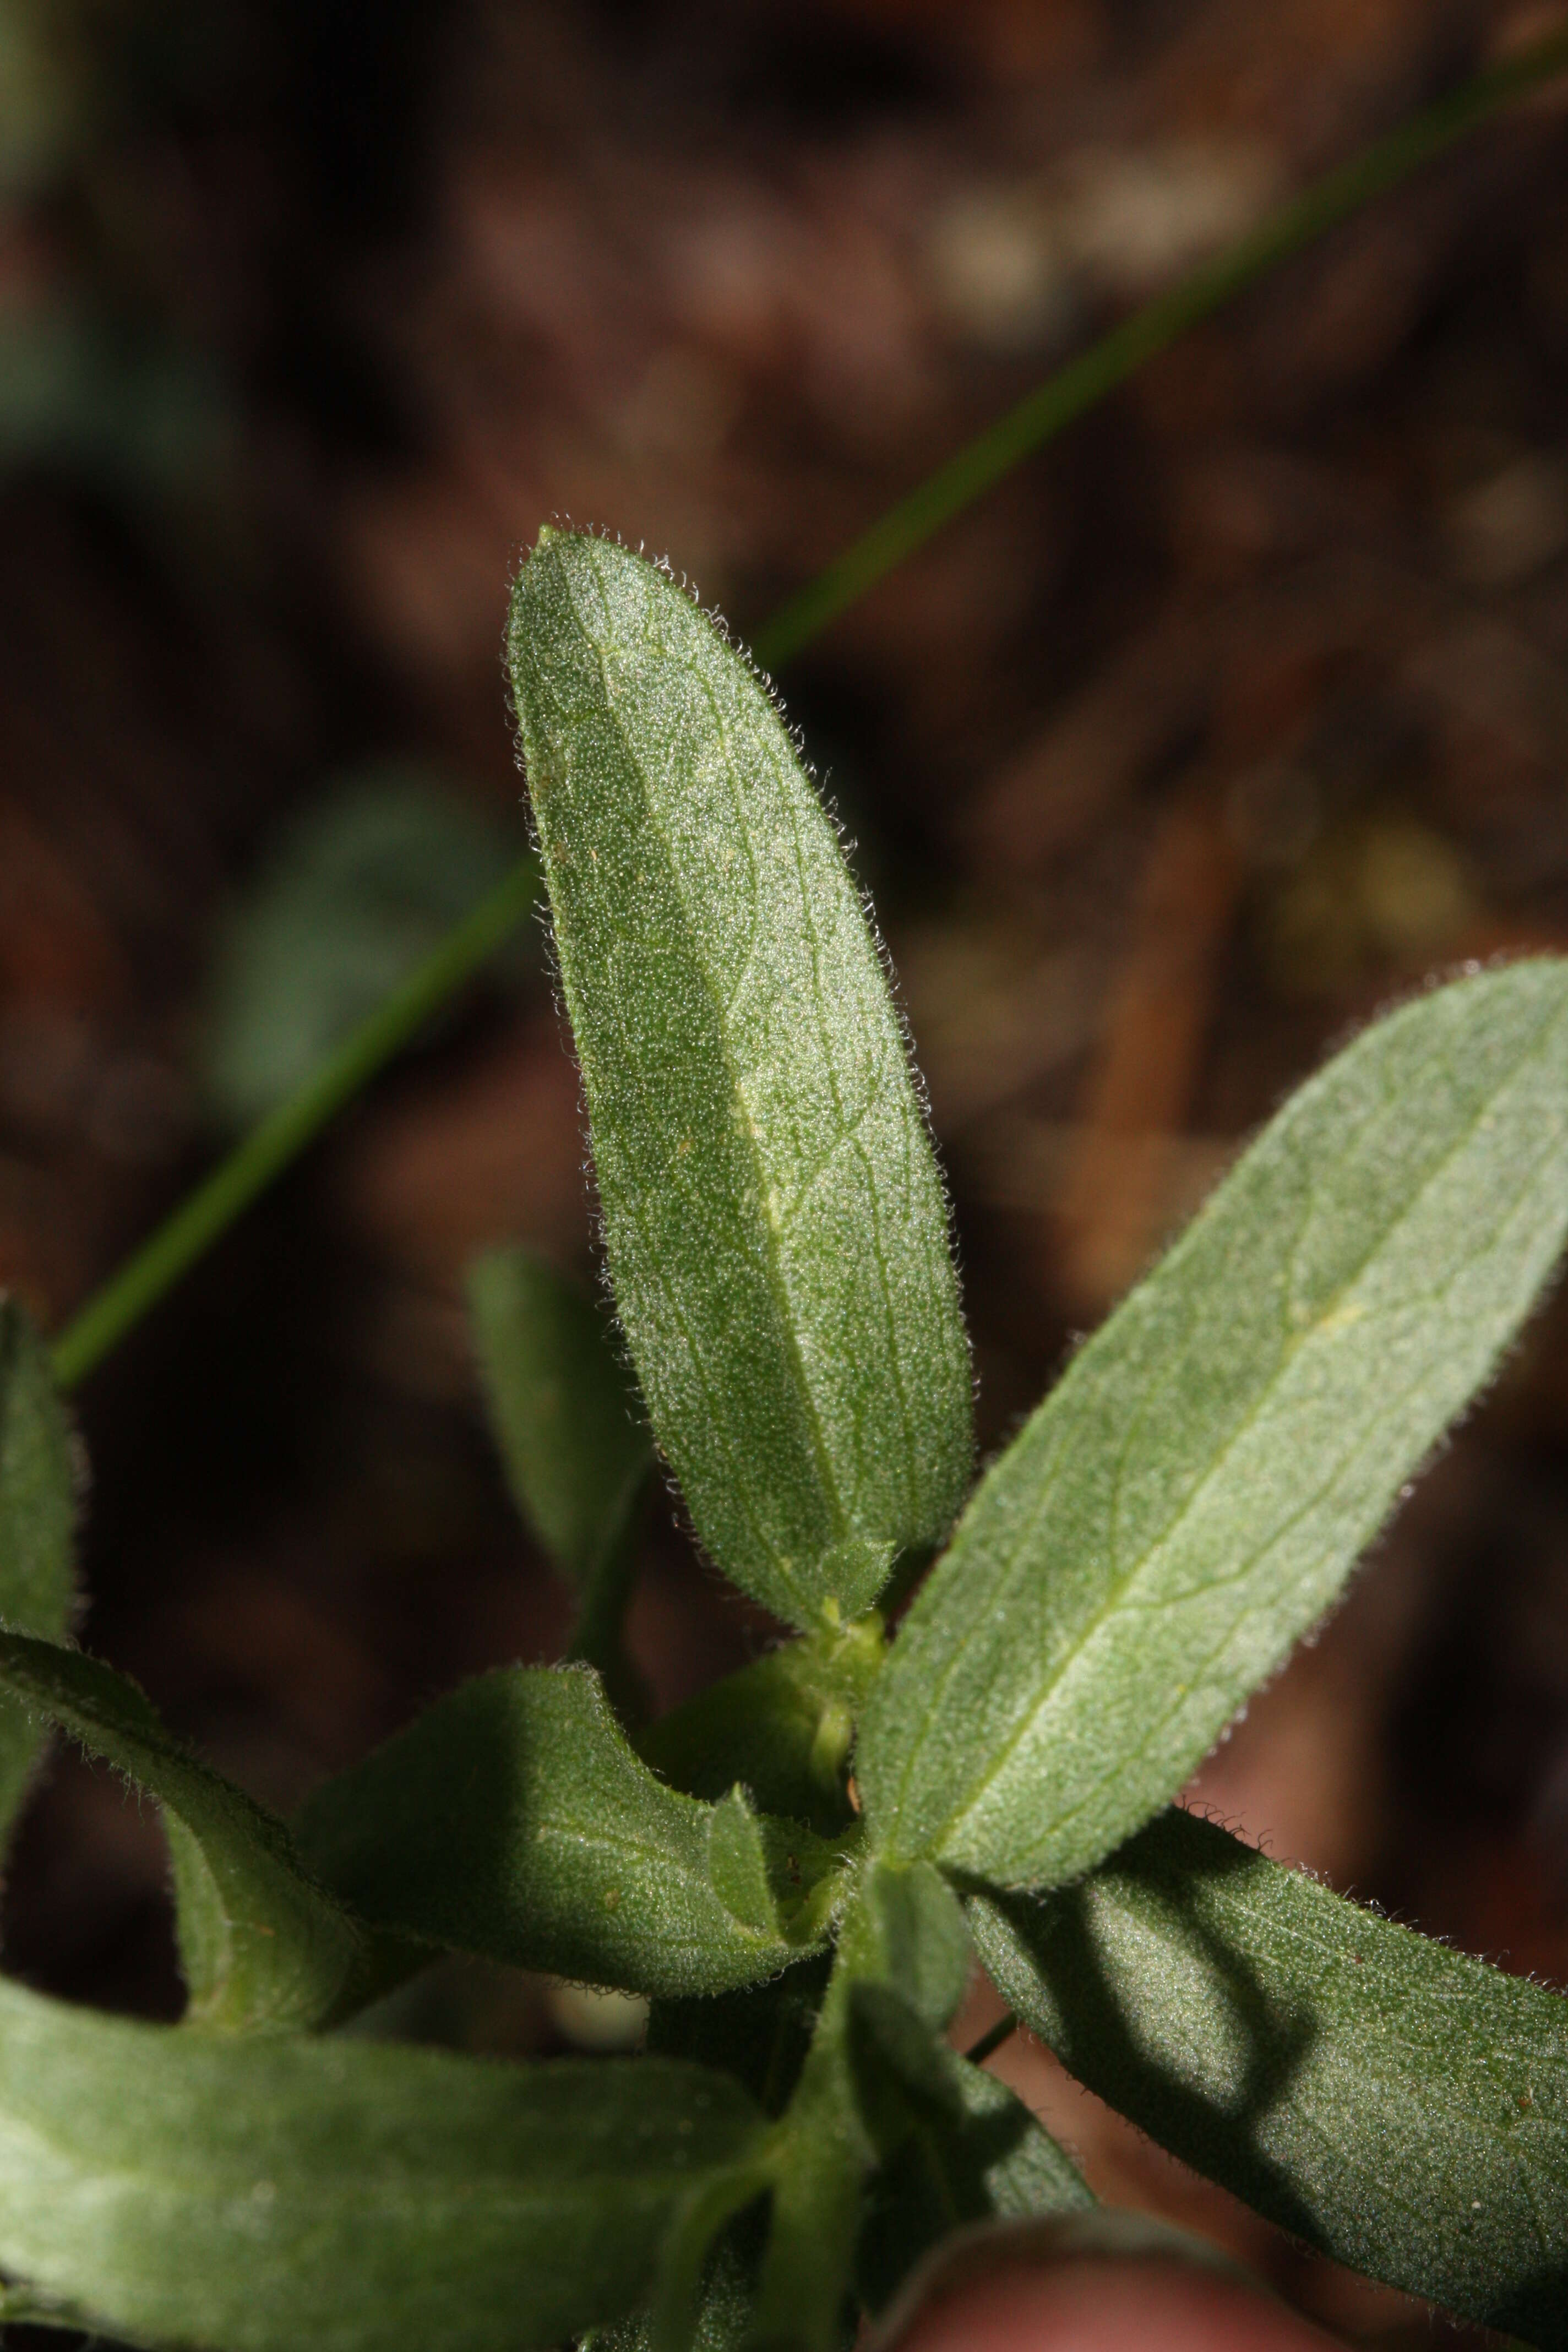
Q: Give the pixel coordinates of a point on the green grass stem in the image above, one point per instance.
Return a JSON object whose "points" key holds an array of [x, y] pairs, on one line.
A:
{"points": [[1086, 379], [268, 1149]]}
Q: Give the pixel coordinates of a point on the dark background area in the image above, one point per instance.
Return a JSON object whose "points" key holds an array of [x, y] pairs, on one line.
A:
{"points": [[1239, 711]]}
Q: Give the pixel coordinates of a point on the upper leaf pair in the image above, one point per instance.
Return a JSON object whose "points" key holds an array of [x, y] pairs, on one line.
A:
{"points": [[1187, 1502], [1191, 1497]]}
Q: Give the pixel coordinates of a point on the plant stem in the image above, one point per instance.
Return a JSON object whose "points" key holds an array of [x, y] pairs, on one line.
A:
{"points": [[1086, 379], [1002, 2030], [1046, 411], [268, 1150]]}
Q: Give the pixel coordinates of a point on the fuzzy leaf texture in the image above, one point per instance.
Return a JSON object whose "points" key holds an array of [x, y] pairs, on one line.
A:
{"points": [[720, 2313], [262, 1947], [512, 1820], [774, 1223], [172, 2189], [37, 1529], [1397, 2104], [1193, 1492], [571, 1436]]}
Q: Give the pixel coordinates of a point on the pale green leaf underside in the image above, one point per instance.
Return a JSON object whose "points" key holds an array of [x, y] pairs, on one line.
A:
{"points": [[344, 2195], [514, 1821], [566, 1421], [37, 1524], [1398, 2104], [1192, 1496], [775, 1226], [261, 1945]]}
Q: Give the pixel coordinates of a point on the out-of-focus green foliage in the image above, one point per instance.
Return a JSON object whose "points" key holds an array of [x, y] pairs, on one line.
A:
{"points": [[38, 1529], [104, 401], [565, 1415], [366, 883]]}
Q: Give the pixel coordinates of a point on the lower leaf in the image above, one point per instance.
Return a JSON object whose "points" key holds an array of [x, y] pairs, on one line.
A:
{"points": [[1399, 2106], [512, 1820], [262, 1945], [171, 2189]]}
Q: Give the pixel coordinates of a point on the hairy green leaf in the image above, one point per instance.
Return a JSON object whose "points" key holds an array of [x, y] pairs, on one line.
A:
{"points": [[1192, 1496], [174, 2189], [960, 2148], [903, 1935], [717, 2316], [359, 891], [261, 1945], [782, 1727], [1398, 2104], [37, 1525], [512, 1820], [774, 1222], [565, 1415]]}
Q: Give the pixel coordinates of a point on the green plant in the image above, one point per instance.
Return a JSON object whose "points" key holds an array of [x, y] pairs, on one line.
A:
{"points": [[798, 1868]]}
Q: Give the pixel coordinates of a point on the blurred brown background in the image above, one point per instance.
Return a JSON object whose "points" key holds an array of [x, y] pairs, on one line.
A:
{"points": [[1237, 712]]}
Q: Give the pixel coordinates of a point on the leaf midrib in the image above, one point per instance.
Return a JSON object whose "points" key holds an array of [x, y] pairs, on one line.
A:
{"points": [[777, 1290]]}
